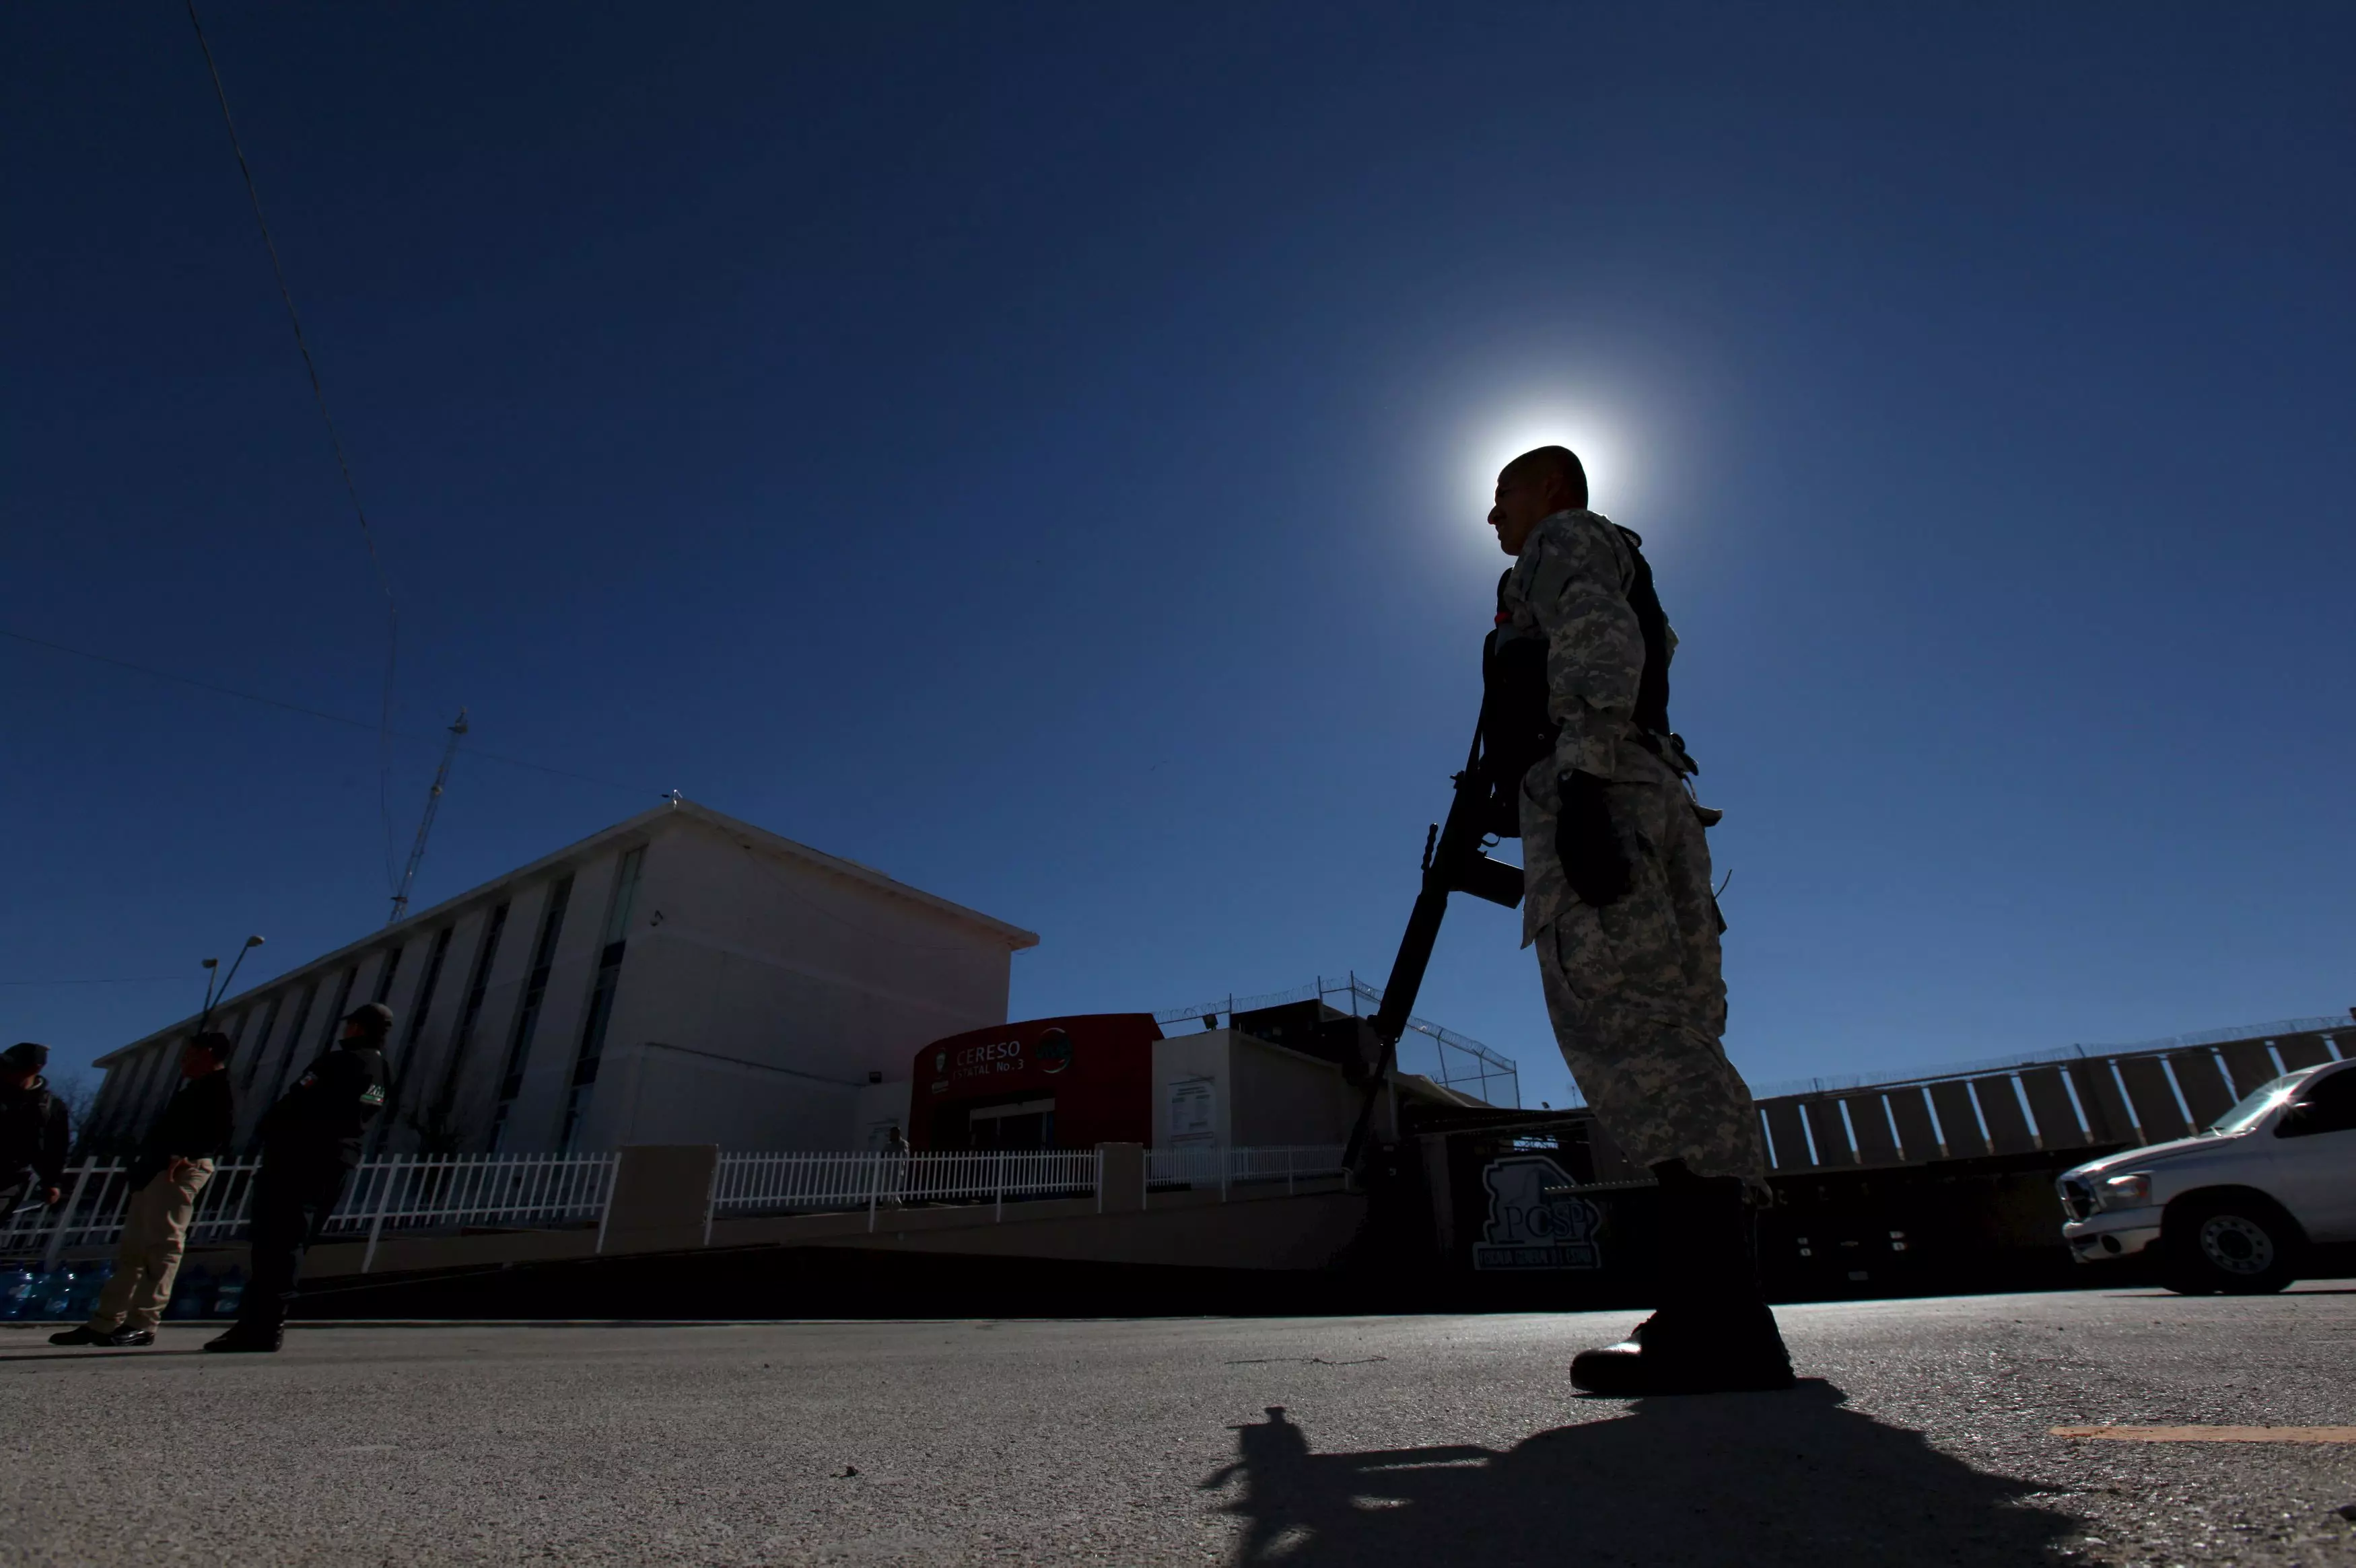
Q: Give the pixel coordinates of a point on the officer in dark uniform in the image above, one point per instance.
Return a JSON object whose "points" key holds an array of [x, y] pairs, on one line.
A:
{"points": [[310, 1143], [33, 1134]]}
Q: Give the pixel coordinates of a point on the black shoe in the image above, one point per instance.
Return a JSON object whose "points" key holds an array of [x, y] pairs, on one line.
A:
{"points": [[1713, 1333], [244, 1338], [81, 1335], [124, 1338], [1682, 1352]]}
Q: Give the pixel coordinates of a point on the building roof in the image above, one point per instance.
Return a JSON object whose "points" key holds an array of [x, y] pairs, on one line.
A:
{"points": [[670, 813]]}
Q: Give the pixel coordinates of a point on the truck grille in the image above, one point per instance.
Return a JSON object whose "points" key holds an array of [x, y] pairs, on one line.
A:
{"points": [[2078, 1198]]}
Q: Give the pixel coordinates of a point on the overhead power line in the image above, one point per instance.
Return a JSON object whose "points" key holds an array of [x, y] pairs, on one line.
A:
{"points": [[107, 980], [219, 690], [343, 465]]}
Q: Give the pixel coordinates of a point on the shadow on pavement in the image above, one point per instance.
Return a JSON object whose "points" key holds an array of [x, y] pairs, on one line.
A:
{"points": [[1743, 1478]]}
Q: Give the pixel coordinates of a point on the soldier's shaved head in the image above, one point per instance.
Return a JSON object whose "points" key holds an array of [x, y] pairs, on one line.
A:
{"points": [[1533, 488], [1557, 462]]}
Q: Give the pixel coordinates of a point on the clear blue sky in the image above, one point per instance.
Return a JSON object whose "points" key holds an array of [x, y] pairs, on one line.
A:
{"points": [[1040, 451]]}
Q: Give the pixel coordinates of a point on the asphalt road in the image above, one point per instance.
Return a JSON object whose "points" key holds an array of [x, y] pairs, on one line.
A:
{"points": [[1922, 1436]]}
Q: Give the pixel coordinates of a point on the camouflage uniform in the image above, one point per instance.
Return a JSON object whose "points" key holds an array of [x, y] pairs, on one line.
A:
{"points": [[1634, 989]]}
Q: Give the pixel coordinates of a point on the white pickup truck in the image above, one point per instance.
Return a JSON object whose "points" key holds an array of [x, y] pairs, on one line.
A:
{"points": [[2238, 1208]]}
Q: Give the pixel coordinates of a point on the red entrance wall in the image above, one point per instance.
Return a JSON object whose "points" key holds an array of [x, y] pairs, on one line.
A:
{"points": [[1099, 1067]]}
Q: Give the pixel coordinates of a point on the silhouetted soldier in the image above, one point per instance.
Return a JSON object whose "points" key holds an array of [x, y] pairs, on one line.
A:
{"points": [[1618, 903], [310, 1142]]}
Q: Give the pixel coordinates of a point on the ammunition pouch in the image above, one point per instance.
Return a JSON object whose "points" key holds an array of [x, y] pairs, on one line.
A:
{"points": [[1516, 733], [1517, 728]]}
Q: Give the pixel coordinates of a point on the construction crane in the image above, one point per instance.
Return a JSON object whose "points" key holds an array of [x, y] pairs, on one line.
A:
{"points": [[425, 825]]}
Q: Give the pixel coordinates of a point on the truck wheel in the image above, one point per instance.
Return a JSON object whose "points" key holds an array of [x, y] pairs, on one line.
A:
{"points": [[2241, 1246]]}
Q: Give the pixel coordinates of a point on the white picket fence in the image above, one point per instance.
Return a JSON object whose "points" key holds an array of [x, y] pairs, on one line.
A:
{"points": [[536, 1191], [789, 1183], [401, 1192], [800, 1183]]}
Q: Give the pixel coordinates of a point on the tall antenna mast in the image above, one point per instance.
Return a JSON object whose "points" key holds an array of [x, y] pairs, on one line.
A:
{"points": [[425, 825]]}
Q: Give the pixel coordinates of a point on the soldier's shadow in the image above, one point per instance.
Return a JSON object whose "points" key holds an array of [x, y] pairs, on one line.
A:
{"points": [[1743, 1479]]}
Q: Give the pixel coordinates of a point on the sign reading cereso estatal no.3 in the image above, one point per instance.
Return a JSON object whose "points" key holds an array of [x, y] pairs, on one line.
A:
{"points": [[1095, 1068], [1050, 1054]]}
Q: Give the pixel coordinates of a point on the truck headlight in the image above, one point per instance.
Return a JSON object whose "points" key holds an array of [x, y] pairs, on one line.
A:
{"points": [[2126, 1191]]}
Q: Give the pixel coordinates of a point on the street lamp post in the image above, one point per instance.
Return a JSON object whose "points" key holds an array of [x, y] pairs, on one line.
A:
{"points": [[211, 995]]}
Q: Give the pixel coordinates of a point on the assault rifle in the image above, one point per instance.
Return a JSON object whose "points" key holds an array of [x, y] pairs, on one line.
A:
{"points": [[1453, 862]]}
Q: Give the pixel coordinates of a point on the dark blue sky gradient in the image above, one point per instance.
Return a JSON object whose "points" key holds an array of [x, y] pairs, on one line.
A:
{"points": [[1039, 452]]}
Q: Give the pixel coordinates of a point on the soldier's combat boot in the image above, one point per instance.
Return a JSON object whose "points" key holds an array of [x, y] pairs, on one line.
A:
{"points": [[1713, 1332], [245, 1337]]}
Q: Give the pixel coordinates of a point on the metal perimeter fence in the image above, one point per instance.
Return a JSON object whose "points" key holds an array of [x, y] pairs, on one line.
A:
{"points": [[531, 1191], [1453, 1060]]}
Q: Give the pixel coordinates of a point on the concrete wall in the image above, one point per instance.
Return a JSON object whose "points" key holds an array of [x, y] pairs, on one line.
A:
{"points": [[1262, 1229], [877, 1108], [759, 989], [535, 1118], [1273, 1233], [652, 1094], [753, 980], [1259, 1094], [1283, 1097], [1203, 1063], [424, 1055]]}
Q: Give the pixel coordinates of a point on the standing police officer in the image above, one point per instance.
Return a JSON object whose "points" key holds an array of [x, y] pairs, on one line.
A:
{"points": [[310, 1142], [174, 1162], [33, 1131], [1619, 906]]}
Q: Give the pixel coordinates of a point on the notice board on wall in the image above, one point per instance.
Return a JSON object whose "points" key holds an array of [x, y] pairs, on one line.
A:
{"points": [[1193, 1111]]}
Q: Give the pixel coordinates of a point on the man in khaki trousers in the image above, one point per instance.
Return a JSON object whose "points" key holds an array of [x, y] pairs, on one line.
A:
{"points": [[174, 1162]]}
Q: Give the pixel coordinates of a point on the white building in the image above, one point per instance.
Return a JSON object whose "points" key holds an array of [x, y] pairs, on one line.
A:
{"points": [[680, 977]]}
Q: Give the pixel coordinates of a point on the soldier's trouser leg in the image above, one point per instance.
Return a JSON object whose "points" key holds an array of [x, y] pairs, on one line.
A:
{"points": [[155, 1234], [1639, 1009], [289, 1208], [1638, 1003]]}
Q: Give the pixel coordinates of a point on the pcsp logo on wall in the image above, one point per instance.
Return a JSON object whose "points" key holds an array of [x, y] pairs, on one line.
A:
{"points": [[1534, 1221], [1054, 1051]]}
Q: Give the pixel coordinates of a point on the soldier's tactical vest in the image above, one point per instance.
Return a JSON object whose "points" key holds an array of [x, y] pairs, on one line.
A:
{"points": [[1518, 732]]}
